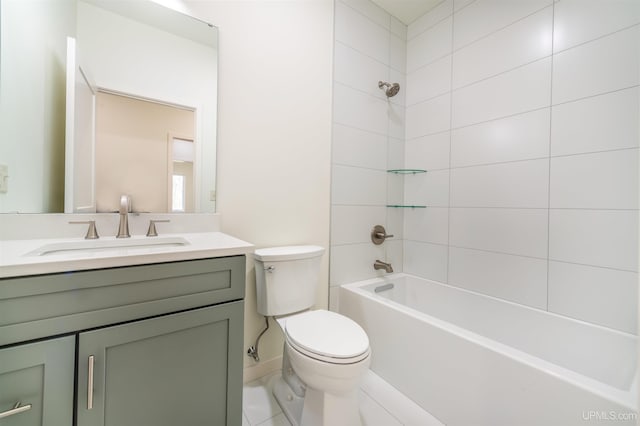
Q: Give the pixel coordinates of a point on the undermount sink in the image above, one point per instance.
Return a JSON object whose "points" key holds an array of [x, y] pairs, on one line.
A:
{"points": [[108, 244]]}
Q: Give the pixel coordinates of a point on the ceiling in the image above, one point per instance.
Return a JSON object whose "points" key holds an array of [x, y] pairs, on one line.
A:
{"points": [[407, 11]]}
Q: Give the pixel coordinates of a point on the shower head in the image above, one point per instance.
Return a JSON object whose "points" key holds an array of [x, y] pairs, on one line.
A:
{"points": [[389, 89]]}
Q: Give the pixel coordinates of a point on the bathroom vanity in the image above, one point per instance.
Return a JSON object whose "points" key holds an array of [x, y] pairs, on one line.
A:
{"points": [[139, 340]]}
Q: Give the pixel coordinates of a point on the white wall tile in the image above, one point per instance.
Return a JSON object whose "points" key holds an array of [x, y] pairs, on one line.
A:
{"points": [[353, 224], [357, 186], [459, 4], [398, 53], [512, 231], [604, 180], [428, 225], [430, 45], [359, 71], [395, 153], [521, 184], [359, 32], [396, 116], [429, 81], [426, 260], [354, 147], [519, 137], [395, 189], [598, 295], [371, 10], [521, 90], [482, 17], [432, 116], [397, 28], [579, 21], [443, 10], [357, 109], [598, 123], [606, 238], [354, 262], [523, 42], [428, 152], [518, 279], [334, 299], [427, 189], [607, 64], [393, 249], [395, 223]]}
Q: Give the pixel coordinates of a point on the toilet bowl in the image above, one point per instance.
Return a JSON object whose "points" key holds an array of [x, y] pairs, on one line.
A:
{"points": [[325, 354], [329, 353]]}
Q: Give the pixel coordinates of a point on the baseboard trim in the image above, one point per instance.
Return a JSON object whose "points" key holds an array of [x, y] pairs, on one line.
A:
{"points": [[261, 369]]}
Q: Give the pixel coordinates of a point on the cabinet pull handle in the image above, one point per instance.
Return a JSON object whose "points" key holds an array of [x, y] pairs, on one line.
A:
{"points": [[90, 384], [17, 409]]}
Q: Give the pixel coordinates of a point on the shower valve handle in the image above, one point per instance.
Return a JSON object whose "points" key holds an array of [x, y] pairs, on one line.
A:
{"points": [[379, 234]]}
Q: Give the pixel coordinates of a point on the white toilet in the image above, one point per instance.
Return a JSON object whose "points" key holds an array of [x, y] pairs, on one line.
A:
{"points": [[325, 353]]}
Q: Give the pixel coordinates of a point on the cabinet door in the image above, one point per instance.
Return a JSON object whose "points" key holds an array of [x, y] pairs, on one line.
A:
{"points": [[178, 369], [36, 383]]}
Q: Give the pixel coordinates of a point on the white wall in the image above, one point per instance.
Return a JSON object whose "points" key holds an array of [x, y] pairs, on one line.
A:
{"points": [[274, 131], [32, 98], [368, 135], [526, 114]]}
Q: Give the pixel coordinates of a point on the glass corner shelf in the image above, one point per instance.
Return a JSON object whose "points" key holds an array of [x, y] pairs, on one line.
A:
{"points": [[403, 206], [406, 171]]}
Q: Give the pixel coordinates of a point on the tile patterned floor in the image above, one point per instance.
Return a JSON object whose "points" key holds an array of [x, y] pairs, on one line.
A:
{"points": [[380, 405]]}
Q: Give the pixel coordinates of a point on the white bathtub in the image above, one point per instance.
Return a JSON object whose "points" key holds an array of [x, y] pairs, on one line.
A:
{"points": [[471, 359]]}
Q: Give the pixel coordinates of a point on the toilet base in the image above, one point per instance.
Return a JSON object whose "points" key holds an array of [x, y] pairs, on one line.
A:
{"points": [[325, 409], [317, 408], [290, 403]]}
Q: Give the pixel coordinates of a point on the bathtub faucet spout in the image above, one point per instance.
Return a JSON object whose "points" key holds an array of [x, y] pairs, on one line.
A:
{"points": [[379, 264]]}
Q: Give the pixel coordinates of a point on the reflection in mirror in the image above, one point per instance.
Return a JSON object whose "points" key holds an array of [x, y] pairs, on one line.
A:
{"points": [[135, 144], [132, 47]]}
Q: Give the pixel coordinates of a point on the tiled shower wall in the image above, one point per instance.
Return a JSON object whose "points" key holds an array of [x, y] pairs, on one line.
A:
{"points": [[368, 139], [526, 115]]}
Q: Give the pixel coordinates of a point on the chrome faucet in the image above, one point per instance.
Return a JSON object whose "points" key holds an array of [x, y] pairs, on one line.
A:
{"points": [[123, 227], [379, 264]]}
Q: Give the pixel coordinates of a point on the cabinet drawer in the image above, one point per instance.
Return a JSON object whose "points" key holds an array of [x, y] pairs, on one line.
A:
{"points": [[38, 376], [40, 306]]}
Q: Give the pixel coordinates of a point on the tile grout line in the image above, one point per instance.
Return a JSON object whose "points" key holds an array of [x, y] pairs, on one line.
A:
{"points": [[584, 98], [453, 21], [381, 405], [609, 268], [553, 16]]}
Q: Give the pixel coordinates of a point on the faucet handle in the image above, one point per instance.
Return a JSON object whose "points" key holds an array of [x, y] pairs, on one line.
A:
{"points": [[92, 232], [151, 232], [379, 234]]}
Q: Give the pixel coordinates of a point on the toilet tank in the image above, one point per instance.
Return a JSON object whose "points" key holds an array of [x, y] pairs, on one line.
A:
{"points": [[287, 278]]}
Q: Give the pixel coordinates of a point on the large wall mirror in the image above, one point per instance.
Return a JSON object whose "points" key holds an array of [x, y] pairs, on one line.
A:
{"points": [[100, 98]]}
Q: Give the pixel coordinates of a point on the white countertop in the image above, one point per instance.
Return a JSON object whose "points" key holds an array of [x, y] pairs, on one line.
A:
{"points": [[17, 257]]}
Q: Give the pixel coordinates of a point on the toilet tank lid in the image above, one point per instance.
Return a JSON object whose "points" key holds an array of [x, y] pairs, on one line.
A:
{"points": [[274, 254]]}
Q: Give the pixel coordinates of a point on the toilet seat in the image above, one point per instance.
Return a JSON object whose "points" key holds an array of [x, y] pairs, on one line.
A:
{"points": [[327, 336]]}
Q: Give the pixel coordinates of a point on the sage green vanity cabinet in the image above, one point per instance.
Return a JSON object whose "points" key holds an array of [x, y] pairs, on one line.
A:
{"points": [[158, 344], [36, 383], [166, 371]]}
